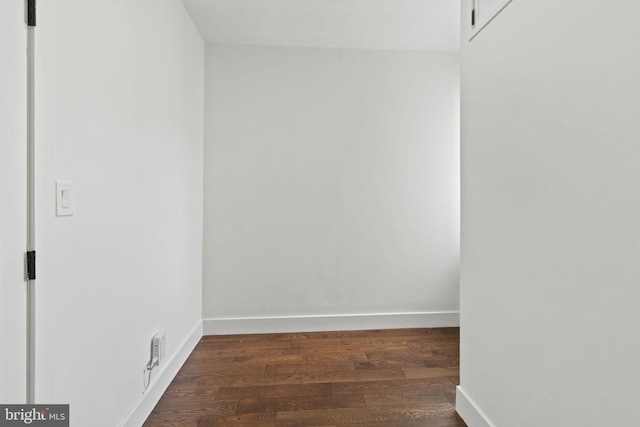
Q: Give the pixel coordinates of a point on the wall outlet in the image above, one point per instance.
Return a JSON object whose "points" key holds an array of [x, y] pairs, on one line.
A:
{"points": [[158, 348]]}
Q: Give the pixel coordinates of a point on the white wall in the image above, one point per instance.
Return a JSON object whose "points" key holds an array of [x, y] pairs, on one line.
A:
{"points": [[13, 215], [550, 207], [120, 115], [331, 185]]}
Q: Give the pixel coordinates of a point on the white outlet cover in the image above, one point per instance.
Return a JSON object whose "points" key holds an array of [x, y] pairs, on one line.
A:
{"points": [[163, 346], [64, 198]]}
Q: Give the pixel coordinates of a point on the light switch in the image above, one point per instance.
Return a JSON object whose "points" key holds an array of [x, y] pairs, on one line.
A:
{"points": [[64, 198]]}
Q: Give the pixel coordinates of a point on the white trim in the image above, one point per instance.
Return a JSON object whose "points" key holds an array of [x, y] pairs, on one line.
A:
{"points": [[469, 410], [143, 407], [264, 325], [31, 213]]}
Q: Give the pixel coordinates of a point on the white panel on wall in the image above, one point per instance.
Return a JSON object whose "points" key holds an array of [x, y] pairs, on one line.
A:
{"points": [[550, 217], [120, 115]]}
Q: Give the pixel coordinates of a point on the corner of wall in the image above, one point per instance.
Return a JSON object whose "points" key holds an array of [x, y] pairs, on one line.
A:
{"points": [[469, 410]]}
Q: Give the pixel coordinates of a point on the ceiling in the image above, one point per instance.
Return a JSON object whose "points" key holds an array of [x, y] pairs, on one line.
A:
{"points": [[360, 24]]}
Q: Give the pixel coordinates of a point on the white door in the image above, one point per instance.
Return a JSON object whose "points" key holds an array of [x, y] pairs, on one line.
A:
{"points": [[13, 201]]}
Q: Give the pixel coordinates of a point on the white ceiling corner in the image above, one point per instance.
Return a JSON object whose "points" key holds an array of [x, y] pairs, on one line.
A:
{"points": [[432, 25]]}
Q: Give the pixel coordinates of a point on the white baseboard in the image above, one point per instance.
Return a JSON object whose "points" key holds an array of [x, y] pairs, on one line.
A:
{"points": [[143, 407], [469, 410], [265, 325]]}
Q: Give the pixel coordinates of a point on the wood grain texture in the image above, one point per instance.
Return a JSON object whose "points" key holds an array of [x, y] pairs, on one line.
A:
{"points": [[380, 378]]}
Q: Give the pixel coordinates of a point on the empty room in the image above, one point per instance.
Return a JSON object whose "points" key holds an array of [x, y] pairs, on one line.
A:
{"points": [[319, 213]]}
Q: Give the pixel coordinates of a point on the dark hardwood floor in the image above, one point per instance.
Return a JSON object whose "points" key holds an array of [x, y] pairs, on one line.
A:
{"points": [[393, 378]]}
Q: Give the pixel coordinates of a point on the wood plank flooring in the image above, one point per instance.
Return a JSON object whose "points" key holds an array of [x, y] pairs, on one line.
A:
{"points": [[381, 378]]}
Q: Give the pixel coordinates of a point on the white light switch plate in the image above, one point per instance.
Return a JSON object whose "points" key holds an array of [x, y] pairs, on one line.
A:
{"points": [[64, 198]]}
